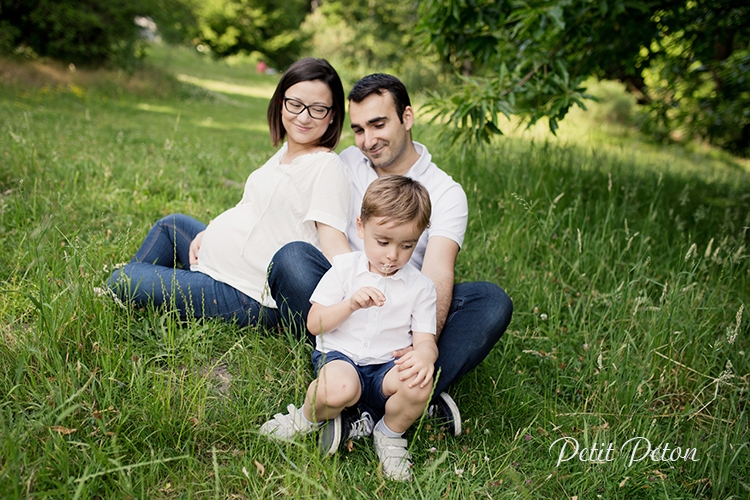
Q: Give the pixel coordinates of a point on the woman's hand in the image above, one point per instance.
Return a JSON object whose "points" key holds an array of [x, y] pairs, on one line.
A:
{"points": [[195, 247]]}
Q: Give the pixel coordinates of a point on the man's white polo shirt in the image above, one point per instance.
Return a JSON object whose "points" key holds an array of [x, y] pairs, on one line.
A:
{"points": [[369, 336], [450, 210]]}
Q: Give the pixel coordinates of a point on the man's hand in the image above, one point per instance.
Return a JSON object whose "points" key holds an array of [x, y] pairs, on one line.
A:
{"points": [[402, 352], [365, 297], [195, 247]]}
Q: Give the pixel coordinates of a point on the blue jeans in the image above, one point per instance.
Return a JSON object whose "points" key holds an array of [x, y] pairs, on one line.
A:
{"points": [[478, 316], [160, 274]]}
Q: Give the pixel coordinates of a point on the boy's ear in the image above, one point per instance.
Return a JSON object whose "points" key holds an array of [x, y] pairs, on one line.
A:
{"points": [[360, 228]]}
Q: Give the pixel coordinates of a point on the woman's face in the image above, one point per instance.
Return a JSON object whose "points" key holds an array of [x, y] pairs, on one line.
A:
{"points": [[301, 128]]}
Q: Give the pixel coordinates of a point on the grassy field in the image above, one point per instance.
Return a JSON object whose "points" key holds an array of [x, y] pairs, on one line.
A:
{"points": [[627, 263]]}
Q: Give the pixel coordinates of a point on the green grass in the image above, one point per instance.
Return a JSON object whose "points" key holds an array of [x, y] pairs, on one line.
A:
{"points": [[627, 263]]}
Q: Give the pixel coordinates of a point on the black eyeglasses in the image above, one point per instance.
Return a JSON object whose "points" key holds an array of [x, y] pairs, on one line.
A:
{"points": [[316, 111]]}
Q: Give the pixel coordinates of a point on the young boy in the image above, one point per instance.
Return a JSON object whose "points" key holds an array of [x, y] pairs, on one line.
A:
{"points": [[368, 305]]}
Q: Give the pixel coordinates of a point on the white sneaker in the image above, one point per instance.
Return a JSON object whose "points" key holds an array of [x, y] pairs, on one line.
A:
{"points": [[287, 426], [393, 455]]}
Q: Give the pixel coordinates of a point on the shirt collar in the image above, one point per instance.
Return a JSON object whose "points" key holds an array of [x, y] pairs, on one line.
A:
{"points": [[422, 164]]}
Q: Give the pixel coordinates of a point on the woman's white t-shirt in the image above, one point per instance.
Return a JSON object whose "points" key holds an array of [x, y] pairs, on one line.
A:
{"points": [[281, 204]]}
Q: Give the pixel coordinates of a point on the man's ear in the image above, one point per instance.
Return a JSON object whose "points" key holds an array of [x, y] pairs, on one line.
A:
{"points": [[408, 117], [360, 228]]}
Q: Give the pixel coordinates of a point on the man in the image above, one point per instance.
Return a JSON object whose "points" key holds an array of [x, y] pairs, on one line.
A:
{"points": [[471, 317]]}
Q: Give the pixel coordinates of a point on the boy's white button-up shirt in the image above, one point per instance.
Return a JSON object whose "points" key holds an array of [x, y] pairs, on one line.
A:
{"points": [[369, 336]]}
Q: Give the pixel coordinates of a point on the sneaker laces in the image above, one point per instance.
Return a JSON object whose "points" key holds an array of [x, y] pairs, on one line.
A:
{"points": [[431, 410], [362, 427]]}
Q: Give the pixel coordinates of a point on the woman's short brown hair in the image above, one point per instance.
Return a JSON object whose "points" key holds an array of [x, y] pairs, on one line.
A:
{"points": [[397, 199], [306, 70]]}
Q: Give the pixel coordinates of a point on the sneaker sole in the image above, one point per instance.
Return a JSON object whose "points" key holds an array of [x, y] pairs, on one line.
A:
{"points": [[330, 436], [454, 411]]}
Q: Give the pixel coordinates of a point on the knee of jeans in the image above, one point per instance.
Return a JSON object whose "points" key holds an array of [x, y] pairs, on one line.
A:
{"points": [[170, 220], [500, 307], [293, 252], [166, 220], [287, 257]]}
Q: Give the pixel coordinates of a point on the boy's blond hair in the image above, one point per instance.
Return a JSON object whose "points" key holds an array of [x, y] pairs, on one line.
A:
{"points": [[397, 199]]}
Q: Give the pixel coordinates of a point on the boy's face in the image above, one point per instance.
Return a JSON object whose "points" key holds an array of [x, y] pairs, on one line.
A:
{"points": [[388, 245]]}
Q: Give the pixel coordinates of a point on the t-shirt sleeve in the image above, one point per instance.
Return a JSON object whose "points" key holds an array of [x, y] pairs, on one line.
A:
{"points": [[450, 213], [330, 203]]}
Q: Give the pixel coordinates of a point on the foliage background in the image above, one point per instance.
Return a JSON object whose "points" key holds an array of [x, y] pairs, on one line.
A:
{"points": [[685, 61], [86, 32]]}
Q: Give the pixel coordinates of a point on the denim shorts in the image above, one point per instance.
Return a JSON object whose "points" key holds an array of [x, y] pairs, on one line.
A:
{"points": [[370, 376]]}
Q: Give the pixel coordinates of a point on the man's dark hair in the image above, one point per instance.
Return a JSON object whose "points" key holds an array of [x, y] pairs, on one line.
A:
{"points": [[306, 70], [379, 83]]}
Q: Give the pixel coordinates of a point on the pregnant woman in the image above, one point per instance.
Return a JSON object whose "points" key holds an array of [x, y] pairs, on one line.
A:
{"points": [[300, 194]]}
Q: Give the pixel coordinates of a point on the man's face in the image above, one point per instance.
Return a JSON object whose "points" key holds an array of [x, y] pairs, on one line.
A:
{"points": [[378, 132]]}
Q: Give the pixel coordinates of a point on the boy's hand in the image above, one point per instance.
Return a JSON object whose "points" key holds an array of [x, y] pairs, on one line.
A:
{"points": [[365, 297], [417, 364]]}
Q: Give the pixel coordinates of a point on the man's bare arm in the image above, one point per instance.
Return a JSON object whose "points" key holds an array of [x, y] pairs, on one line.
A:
{"points": [[439, 260]]}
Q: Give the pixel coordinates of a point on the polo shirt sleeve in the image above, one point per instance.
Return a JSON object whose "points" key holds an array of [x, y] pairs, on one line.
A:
{"points": [[450, 213], [330, 202]]}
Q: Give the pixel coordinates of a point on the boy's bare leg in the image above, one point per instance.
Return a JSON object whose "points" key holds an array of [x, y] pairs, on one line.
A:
{"points": [[405, 404], [336, 387]]}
